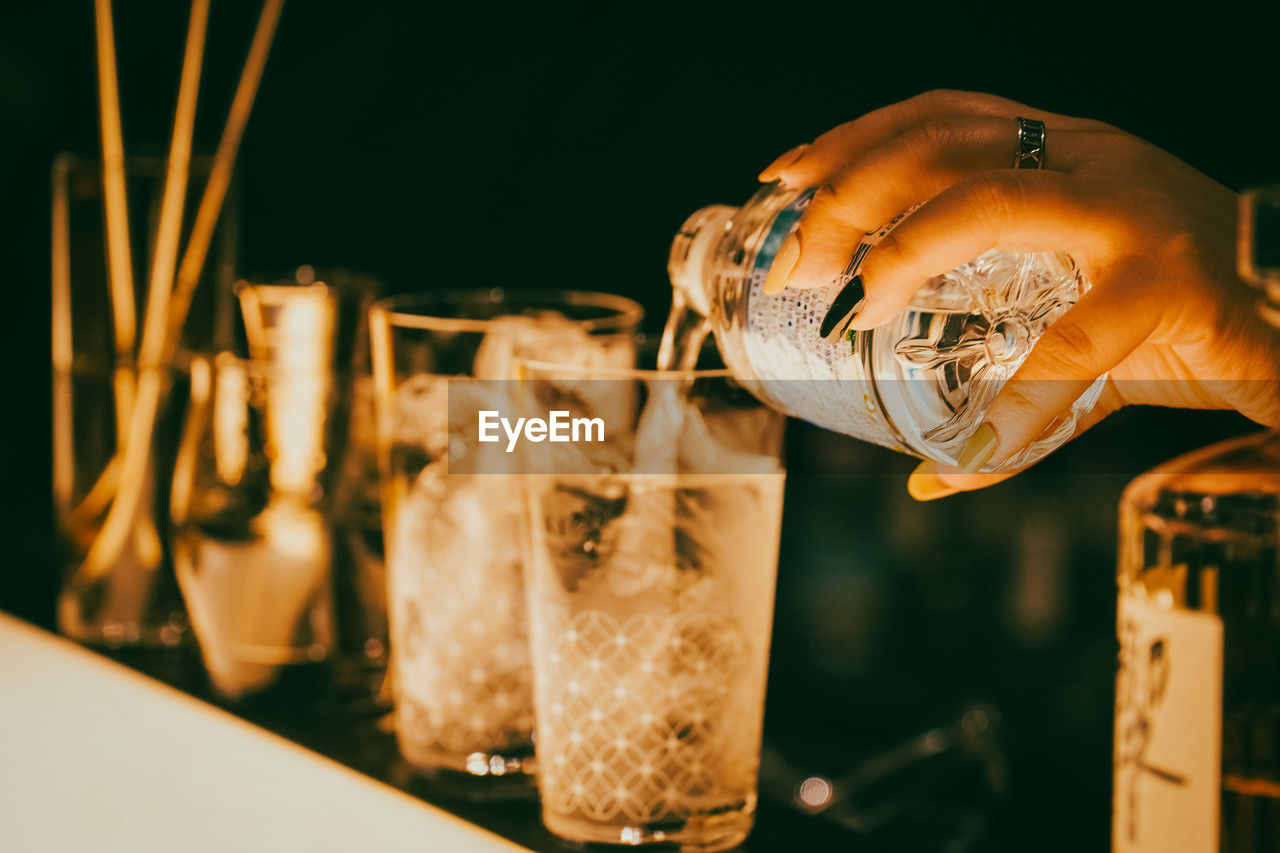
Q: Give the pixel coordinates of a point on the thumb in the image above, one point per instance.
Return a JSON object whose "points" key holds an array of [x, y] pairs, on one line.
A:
{"points": [[932, 480]]}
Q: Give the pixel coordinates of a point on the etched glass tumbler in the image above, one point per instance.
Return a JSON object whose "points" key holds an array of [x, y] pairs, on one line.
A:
{"points": [[460, 668], [651, 569]]}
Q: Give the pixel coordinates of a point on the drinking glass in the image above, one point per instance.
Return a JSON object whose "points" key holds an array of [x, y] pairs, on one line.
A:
{"points": [[270, 497], [651, 563], [132, 599], [459, 650], [251, 493]]}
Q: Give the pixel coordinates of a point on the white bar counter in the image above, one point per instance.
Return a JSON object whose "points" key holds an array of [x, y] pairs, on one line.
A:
{"points": [[94, 756]]}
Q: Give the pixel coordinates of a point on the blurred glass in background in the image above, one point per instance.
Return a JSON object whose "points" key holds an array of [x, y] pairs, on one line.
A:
{"points": [[95, 324], [460, 650], [272, 499]]}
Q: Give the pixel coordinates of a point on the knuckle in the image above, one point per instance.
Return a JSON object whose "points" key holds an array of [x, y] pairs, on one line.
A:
{"points": [[1021, 409], [890, 259], [1016, 399], [975, 103], [1069, 350], [836, 202], [940, 97], [931, 136], [1109, 139], [997, 196], [824, 206]]}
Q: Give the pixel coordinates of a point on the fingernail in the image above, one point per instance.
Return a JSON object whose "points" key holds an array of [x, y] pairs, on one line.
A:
{"points": [[844, 308], [924, 485], [787, 160], [978, 450], [783, 263]]}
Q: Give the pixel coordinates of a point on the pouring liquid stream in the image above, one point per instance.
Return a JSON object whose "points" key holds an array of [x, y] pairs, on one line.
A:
{"points": [[683, 335]]}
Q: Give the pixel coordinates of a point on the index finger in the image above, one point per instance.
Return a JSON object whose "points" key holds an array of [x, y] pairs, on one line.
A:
{"points": [[831, 151]]}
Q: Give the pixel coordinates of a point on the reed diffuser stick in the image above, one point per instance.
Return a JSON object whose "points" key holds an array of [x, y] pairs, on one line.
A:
{"points": [[159, 340], [165, 260], [136, 447], [64, 457], [210, 208], [215, 191], [115, 214]]}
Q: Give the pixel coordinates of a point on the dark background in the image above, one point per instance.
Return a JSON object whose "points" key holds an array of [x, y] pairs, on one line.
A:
{"points": [[471, 144]]}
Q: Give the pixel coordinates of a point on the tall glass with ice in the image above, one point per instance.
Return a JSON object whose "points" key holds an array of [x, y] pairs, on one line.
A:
{"points": [[459, 649], [651, 569]]}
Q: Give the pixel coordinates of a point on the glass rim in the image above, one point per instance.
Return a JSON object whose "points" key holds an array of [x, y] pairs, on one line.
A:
{"points": [[189, 357], [407, 310], [135, 165], [560, 370]]}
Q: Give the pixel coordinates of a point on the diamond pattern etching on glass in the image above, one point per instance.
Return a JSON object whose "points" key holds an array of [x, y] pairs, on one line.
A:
{"points": [[642, 727]]}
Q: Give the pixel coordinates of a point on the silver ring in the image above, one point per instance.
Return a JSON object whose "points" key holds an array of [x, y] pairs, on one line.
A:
{"points": [[1030, 144]]}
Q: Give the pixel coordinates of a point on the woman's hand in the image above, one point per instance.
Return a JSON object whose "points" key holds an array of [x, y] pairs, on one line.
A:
{"points": [[1167, 314]]}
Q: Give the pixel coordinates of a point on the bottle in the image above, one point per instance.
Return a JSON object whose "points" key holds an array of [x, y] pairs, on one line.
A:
{"points": [[1197, 718], [920, 383]]}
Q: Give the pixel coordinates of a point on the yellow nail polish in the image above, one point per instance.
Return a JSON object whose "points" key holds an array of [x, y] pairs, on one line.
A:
{"points": [[783, 264], [790, 158], [926, 485], [978, 450]]}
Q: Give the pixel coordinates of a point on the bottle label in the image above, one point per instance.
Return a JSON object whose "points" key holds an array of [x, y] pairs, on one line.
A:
{"points": [[796, 370], [1168, 736]]}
